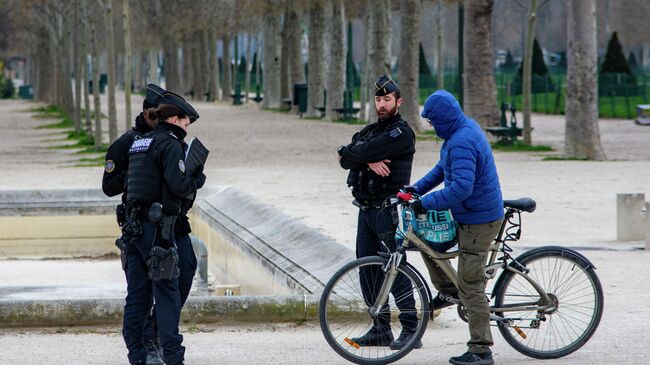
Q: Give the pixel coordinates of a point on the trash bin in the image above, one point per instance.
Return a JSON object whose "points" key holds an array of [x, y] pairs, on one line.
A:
{"points": [[103, 80], [300, 97], [26, 92]]}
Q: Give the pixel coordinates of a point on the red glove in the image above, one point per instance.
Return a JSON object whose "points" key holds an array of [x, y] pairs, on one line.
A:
{"points": [[405, 196]]}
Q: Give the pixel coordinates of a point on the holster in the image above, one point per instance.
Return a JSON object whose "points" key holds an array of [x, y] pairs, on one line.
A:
{"points": [[122, 246], [167, 230], [163, 263], [120, 214]]}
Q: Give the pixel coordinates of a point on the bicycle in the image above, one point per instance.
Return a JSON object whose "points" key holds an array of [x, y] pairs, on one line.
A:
{"points": [[547, 302]]}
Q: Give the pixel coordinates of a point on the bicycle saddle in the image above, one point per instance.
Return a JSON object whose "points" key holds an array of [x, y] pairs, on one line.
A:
{"points": [[525, 204]]}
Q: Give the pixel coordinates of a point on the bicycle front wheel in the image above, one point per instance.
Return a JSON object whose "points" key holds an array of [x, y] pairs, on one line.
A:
{"points": [[345, 316], [576, 303]]}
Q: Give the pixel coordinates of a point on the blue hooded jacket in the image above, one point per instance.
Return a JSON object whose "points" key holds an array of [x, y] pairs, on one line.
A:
{"points": [[466, 165]]}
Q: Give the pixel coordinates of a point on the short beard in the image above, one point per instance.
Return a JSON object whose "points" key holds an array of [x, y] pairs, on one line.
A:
{"points": [[388, 114]]}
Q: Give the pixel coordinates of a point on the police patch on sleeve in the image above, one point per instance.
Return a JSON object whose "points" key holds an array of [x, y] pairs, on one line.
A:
{"points": [[395, 132], [109, 166], [140, 145], [181, 166]]}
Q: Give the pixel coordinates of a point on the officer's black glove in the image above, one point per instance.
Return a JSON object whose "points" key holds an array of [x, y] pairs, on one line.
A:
{"points": [[198, 171], [408, 189], [418, 208]]}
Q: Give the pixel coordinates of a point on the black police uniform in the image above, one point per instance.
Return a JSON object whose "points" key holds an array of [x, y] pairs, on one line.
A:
{"points": [[113, 183], [157, 175], [391, 139]]}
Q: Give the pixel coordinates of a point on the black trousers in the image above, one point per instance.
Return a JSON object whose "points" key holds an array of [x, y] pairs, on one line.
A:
{"points": [[374, 226]]}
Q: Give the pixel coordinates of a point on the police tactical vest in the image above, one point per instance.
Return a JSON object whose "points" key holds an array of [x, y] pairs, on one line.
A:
{"points": [[365, 184]]}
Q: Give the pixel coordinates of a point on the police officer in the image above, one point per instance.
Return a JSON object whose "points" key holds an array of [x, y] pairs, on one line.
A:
{"points": [[113, 183], [379, 159], [157, 183]]}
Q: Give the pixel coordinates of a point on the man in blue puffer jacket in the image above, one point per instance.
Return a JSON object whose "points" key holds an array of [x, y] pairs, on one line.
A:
{"points": [[473, 194]]}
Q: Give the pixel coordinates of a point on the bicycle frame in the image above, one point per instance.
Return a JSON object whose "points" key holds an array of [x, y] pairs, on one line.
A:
{"points": [[443, 261]]}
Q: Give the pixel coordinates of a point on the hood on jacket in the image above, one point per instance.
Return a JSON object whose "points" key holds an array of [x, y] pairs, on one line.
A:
{"points": [[444, 112]]}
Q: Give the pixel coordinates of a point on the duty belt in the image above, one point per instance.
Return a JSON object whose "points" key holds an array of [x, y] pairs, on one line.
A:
{"points": [[364, 205]]}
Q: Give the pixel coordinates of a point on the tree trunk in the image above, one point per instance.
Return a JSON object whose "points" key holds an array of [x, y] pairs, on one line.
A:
{"points": [[127, 61], [582, 138], [271, 66], [249, 65], [480, 95], [172, 74], [76, 40], [227, 78], [65, 84], [365, 77], [336, 71], [140, 60], [296, 66], [285, 50], [112, 113], [203, 62], [152, 56], [379, 50], [197, 79], [84, 65], [95, 71], [315, 65], [440, 59], [408, 73], [186, 66], [527, 71], [214, 68]]}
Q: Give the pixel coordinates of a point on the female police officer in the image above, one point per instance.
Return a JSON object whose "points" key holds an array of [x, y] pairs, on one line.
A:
{"points": [[157, 183]]}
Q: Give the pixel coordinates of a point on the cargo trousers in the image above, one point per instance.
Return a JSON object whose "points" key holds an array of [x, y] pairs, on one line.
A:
{"points": [[474, 242]]}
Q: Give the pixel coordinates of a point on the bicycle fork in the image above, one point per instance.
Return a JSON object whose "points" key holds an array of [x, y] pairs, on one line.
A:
{"points": [[390, 274]]}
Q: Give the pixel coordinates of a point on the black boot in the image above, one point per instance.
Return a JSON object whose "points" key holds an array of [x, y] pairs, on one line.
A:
{"points": [[403, 339], [154, 353], [375, 337]]}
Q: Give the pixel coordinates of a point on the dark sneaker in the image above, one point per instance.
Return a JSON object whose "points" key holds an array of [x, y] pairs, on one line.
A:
{"points": [[444, 300], [375, 337], [403, 339], [471, 358], [154, 353]]}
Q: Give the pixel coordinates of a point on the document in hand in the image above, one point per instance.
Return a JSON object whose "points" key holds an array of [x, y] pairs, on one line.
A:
{"points": [[195, 156]]}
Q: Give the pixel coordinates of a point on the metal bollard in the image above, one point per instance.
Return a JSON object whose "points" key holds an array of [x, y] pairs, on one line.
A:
{"points": [[201, 252], [646, 212], [629, 217]]}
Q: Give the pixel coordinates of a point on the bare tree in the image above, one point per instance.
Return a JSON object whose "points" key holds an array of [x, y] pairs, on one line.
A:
{"points": [[480, 92], [296, 67], [440, 72], [112, 112], [84, 64], [214, 64], [365, 77], [528, 65], [379, 49], [126, 20], [315, 57], [336, 71], [582, 138], [227, 78], [271, 66], [76, 41], [95, 72], [408, 73]]}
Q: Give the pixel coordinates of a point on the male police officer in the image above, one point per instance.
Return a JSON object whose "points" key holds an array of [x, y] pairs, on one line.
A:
{"points": [[379, 159], [157, 183]]}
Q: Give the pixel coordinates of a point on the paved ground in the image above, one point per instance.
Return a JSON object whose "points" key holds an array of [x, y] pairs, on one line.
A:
{"points": [[290, 164]]}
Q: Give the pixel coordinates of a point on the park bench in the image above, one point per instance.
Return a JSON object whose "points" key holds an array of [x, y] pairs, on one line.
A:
{"points": [[348, 111], [642, 114], [505, 133]]}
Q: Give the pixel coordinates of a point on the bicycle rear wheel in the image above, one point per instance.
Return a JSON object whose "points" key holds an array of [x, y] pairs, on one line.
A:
{"points": [[574, 289], [344, 313]]}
